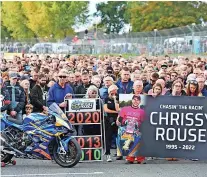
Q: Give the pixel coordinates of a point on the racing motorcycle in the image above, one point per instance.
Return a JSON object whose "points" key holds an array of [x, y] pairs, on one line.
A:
{"points": [[41, 136]]}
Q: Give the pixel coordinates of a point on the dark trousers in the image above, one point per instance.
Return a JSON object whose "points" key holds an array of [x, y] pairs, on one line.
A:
{"points": [[109, 130]]}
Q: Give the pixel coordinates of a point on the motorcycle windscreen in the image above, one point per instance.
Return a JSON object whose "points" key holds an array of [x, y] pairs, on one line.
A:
{"points": [[56, 109]]}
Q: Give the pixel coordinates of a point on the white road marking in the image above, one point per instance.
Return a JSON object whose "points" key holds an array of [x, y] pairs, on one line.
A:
{"points": [[57, 174]]}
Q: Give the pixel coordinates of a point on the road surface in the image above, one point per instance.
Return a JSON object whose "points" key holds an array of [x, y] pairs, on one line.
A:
{"points": [[153, 168]]}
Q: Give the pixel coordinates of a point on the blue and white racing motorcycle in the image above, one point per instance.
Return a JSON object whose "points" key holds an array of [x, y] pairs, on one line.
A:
{"points": [[40, 136]]}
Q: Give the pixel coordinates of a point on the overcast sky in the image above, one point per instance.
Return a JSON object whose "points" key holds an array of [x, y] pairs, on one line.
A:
{"points": [[92, 9]]}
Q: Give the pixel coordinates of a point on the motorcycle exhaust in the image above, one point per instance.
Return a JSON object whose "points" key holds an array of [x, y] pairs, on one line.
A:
{"points": [[2, 139], [6, 151], [9, 146]]}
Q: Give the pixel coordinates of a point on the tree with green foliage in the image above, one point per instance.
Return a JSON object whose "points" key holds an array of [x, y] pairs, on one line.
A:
{"points": [[5, 33], [112, 15], [146, 16], [66, 15], [42, 19], [15, 21]]}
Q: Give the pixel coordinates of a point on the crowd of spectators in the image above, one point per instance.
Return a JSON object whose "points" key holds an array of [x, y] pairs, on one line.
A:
{"points": [[33, 82]]}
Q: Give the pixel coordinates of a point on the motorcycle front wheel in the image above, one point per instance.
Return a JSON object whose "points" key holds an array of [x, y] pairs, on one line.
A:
{"points": [[71, 158]]}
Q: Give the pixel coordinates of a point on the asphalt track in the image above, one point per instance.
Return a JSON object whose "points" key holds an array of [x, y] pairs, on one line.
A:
{"points": [[153, 168]]}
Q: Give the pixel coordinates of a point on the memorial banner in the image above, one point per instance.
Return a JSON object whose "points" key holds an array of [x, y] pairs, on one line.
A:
{"points": [[173, 127]]}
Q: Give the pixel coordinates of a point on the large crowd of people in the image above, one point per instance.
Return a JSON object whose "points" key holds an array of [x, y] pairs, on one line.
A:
{"points": [[31, 83]]}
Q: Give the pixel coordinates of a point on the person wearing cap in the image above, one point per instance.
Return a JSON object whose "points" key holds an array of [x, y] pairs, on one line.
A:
{"points": [[108, 81], [125, 84], [129, 120], [17, 98], [111, 108], [164, 67]]}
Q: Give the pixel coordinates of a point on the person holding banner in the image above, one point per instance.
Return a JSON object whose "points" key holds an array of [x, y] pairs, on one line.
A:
{"points": [[129, 121], [177, 90], [111, 108]]}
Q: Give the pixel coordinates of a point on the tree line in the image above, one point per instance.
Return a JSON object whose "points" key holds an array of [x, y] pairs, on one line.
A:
{"points": [[57, 19]]}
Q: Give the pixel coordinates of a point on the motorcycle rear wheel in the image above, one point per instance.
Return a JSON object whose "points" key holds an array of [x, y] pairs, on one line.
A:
{"points": [[71, 158], [5, 157]]}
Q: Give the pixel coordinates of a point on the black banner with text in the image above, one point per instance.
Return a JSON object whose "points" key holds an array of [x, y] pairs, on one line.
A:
{"points": [[174, 127]]}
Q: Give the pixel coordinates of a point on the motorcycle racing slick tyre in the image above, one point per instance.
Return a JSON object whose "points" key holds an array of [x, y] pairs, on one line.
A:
{"points": [[71, 158]]}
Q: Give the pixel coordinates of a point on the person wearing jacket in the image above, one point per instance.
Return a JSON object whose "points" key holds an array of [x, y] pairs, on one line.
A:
{"points": [[26, 87], [201, 83], [34, 78], [125, 85], [17, 98], [59, 90], [153, 78], [4, 98], [39, 94], [81, 90], [108, 81]]}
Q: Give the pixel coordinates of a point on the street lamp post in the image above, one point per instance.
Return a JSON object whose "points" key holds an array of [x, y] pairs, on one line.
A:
{"points": [[96, 37], [97, 21], [7, 43], [155, 39], [192, 46]]}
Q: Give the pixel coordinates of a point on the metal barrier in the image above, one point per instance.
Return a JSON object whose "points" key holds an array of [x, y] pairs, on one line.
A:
{"points": [[87, 113], [190, 39]]}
